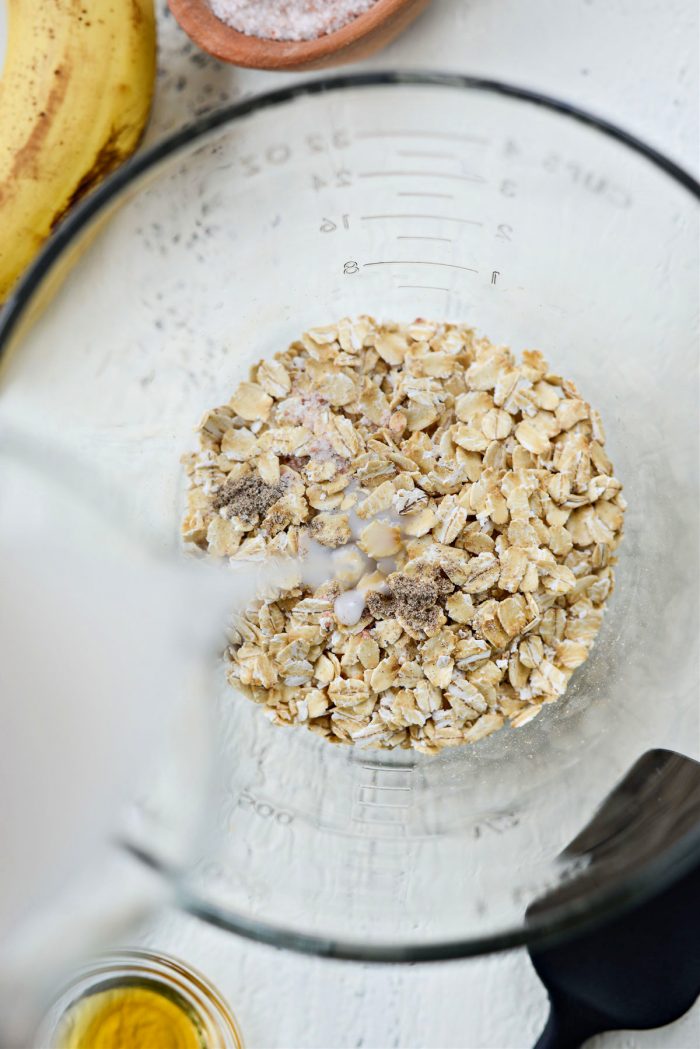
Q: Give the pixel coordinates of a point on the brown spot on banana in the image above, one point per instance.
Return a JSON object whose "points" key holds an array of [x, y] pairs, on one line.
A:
{"points": [[108, 158], [24, 164]]}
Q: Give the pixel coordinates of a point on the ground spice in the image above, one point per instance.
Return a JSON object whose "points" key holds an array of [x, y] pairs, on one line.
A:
{"points": [[288, 19], [415, 600], [248, 497]]}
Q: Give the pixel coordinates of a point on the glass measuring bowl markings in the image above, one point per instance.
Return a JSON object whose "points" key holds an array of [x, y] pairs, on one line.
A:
{"points": [[402, 196]]}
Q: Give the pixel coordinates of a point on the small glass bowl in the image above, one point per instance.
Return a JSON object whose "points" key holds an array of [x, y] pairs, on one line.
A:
{"points": [[159, 971]]}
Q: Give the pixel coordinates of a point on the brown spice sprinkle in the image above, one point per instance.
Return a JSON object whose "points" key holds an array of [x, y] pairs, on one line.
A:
{"points": [[247, 497], [413, 601], [468, 506]]}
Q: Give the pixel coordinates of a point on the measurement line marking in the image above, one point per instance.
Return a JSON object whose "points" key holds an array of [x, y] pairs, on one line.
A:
{"points": [[375, 786], [380, 805], [436, 218], [424, 134], [424, 287], [386, 823], [421, 174], [419, 262], [406, 236], [442, 196], [386, 768], [425, 153]]}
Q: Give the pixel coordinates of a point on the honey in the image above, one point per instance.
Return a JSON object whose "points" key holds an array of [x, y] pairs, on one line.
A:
{"points": [[131, 1016], [137, 999]]}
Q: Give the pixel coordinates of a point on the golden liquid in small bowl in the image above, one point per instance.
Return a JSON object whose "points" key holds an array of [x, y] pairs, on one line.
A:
{"points": [[136, 999], [131, 1016]]}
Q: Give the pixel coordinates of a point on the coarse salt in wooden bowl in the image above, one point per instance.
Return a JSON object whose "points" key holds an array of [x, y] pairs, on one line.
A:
{"points": [[358, 38]]}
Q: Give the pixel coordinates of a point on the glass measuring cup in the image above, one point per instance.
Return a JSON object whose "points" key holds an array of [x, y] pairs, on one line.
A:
{"points": [[399, 195]]}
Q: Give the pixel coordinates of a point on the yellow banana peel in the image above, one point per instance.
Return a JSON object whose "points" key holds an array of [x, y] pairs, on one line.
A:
{"points": [[75, 95]]}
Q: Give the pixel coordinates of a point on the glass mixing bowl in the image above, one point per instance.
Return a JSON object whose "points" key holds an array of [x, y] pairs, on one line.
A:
{"points": [[400, 195]]}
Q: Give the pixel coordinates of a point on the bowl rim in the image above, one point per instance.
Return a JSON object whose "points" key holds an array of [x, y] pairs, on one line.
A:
{"points": [[218, 38], [567, 920]]}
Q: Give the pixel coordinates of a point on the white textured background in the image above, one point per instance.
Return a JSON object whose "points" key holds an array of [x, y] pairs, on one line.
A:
{"points": [[635, 62]]}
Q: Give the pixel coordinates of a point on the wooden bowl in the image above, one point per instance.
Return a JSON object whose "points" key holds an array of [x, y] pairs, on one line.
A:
{"points": [[362, 36]]}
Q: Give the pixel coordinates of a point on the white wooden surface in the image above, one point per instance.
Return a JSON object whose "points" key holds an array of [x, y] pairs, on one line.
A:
{"points": [[636, 62]]}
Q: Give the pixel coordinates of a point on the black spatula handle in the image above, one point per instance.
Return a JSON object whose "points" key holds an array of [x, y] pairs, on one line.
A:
{"points": [[570, 1024], [641, 968]]}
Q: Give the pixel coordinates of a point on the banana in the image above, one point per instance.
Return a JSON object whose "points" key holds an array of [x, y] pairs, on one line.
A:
{"points": [[75, 95]]}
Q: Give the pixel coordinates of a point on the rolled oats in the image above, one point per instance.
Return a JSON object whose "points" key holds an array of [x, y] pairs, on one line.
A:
{"points": [[468, 505]]}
